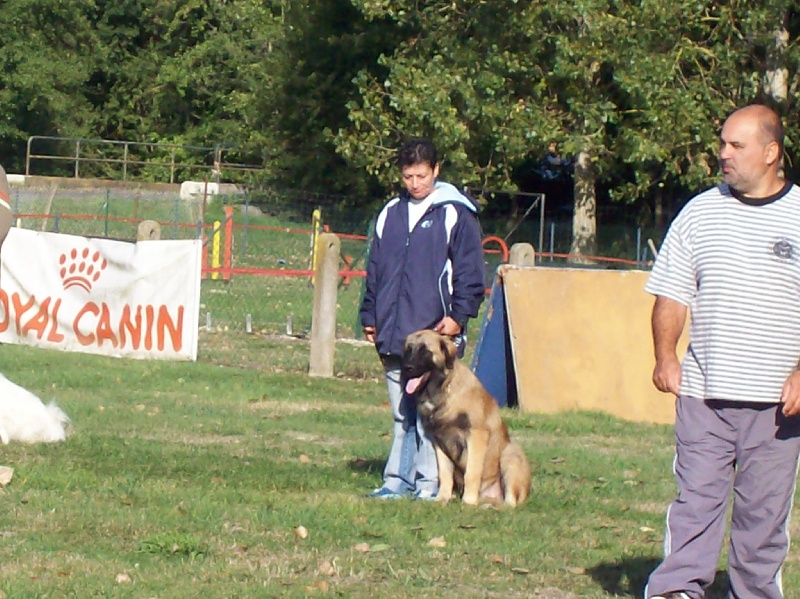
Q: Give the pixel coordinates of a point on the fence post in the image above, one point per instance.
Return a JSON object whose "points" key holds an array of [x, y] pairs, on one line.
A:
{"points": [[522, 254], [148, 230], [316, 228], [215, 243], [323, 319], [108, 201], [228, 251]]}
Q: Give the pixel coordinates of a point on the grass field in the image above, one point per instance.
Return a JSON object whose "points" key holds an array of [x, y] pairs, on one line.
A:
{"points": [[192, 480]]}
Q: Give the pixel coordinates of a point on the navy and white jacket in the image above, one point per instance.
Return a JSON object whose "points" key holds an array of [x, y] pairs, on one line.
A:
{"points": [[415, 279]]}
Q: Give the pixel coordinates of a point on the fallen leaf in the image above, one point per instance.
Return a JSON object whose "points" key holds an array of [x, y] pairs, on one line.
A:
{"points": [[437, 542], [520, 570], [362, 547], [326, 568], [322, 586], [304, 459], [380, 547], [496, 559], [6, 474], [647, 529], [575, 570], [301, 532], [467, 526], [123, 578]]}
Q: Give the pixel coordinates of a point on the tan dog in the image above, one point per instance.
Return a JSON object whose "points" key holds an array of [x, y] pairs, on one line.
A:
{"points": [[473, 449]]}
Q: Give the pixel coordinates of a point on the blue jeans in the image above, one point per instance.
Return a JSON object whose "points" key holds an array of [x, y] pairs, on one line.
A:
{"points": [[411, 465]]}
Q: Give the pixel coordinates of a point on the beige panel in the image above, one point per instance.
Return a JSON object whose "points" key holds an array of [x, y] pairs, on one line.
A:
{"points": [[581, 340]]}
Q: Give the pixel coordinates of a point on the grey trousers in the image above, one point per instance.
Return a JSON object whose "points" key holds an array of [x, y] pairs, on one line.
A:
{"points": [[751, 449]]}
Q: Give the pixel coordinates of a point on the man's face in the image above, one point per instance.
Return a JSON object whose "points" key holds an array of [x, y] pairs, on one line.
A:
{"points": [[744, 155], [419, 179]]}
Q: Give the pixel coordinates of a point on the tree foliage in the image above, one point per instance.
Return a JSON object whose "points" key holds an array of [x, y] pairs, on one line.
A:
{"points": [[641, 87], [322, 92]]}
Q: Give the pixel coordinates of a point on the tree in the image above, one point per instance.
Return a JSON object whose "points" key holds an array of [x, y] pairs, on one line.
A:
{"points": [[636, 90], [325, 44], [47, 56]]}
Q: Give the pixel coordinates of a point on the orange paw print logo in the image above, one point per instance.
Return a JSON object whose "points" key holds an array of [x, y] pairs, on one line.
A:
{"points": [[81, 268]]}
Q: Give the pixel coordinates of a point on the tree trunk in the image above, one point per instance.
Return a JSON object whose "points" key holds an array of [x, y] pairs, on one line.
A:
{"points": [[776, 76], [658, 207], [584, 216]]}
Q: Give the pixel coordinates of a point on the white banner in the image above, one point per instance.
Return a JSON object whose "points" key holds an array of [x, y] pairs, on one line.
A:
{"points": [[137, 300]]}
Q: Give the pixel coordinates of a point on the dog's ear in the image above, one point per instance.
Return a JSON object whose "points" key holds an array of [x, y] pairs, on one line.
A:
{"points": [[448, 351]]}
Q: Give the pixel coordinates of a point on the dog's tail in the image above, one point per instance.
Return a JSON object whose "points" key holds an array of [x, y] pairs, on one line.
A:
{"points": [[515, 471], [58, 425]]}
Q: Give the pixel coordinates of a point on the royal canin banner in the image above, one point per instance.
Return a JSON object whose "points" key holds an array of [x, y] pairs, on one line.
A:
{"points": [[136, 300]]}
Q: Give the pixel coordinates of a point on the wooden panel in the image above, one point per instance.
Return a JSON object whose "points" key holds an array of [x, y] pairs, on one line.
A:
{"points": [[581, 340]]}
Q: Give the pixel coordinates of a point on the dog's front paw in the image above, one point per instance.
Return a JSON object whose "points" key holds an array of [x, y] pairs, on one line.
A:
{"points": [[443, 497], [470, 499]]}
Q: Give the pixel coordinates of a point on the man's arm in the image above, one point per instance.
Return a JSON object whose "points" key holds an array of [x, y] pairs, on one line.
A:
{"points": [[669, 318]]}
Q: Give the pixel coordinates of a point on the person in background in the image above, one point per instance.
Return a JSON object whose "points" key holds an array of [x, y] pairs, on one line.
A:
{"points": [[425, 271], [732, 258]]}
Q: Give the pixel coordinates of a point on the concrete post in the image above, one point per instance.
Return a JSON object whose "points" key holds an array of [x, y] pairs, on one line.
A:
{"points": [[522, 254], [323, 319], [148, 230]]}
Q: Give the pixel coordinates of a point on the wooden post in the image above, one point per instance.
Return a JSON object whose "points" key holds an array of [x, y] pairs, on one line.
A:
{"points": [[323, 319]]}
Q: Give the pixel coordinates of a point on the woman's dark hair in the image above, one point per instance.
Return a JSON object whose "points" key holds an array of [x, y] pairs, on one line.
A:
{"points": [[416, 150]]}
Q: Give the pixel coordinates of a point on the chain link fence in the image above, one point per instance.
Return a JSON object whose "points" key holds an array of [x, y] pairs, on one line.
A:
{"points": [[268, 288]]}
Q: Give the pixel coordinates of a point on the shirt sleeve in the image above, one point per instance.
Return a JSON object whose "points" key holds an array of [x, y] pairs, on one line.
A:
{"points": [[673, 272], [367, 311], [469, 278]]}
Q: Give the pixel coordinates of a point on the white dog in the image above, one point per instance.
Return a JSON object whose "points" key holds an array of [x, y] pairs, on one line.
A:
{"points": [[24, 418]]}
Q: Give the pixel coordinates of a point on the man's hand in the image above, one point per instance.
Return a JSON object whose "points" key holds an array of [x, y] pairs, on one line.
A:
{"points": [[790, 395], [668, 319], [447, 326], [369, 333], [667, 376]]}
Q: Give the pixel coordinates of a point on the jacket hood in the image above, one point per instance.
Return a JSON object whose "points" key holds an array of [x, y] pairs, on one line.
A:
{"points": [[445, 193]]}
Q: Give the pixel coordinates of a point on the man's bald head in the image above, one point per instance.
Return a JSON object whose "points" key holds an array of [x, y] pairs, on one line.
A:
{"points": [[751, 147], [769, 123]]}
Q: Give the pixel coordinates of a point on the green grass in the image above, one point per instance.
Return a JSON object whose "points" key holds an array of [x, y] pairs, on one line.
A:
{"points": [[190, 479]]}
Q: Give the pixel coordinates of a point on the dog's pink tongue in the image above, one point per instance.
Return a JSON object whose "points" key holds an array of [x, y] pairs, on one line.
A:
{"points": [[412, 385]]}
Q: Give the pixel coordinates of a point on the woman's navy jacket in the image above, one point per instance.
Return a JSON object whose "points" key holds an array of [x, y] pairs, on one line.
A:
{"points": [[415, 279]]}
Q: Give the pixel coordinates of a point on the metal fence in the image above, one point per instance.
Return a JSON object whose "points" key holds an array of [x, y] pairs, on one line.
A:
{"points": [[271, 290]]}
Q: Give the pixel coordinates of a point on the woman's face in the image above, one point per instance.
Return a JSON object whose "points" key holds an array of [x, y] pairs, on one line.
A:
{"points": [[419, 179]]}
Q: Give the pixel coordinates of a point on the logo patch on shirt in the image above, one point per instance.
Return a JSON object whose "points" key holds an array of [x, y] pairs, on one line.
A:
{"points": [[426, 224], [783, 249]]}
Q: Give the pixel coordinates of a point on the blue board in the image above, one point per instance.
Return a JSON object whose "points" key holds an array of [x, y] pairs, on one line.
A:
{"points": [[493, 362]]}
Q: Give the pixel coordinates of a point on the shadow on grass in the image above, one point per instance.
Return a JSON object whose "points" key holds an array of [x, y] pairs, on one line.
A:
{"points": [[628, 577], [370, 466]]}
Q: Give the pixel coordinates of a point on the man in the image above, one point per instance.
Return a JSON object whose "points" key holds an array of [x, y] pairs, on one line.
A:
{"points": [[732, 256], [425, 271]]}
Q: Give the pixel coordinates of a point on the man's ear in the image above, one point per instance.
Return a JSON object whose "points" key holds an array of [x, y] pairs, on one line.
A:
{"points": [[772, 152]]}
